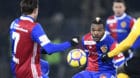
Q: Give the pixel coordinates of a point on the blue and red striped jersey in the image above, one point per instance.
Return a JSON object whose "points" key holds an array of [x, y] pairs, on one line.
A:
{"points": [[96, 49], [119, 27], [27, 36]]}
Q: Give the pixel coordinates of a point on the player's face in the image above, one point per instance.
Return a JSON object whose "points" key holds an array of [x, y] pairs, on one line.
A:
{"points": [[97, 31], [118, 8]]}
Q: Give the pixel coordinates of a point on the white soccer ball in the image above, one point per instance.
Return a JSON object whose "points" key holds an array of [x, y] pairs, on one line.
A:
{"points": [[76, 58]]}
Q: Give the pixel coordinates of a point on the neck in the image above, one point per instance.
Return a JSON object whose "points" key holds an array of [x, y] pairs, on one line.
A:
{"points": [[31, 15]]}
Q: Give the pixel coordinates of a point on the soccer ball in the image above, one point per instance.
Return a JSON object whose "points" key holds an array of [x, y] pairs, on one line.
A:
{"points": [[76, 58]]}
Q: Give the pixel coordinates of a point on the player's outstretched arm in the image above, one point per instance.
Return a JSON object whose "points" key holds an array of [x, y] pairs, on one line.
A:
{"points": [[39, 36], [53, 48]]}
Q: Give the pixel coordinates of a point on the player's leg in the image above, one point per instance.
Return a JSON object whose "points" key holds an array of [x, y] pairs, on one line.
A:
{"points": [[44, 68], [85, 74], [121, 72], [131, 66]]}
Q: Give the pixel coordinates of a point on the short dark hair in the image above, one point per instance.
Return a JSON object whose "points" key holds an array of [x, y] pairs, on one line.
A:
{"points": [[120, 1], [28, 6], [98, 20]]}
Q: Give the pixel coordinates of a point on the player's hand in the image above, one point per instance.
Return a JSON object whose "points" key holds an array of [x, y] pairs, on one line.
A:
{"points": [[75, 40], [105, 57]]}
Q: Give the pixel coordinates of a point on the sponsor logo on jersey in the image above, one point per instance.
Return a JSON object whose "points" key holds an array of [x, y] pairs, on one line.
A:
{"points": [[89, 42], [123, 24], [104, 48], [119, 30]]}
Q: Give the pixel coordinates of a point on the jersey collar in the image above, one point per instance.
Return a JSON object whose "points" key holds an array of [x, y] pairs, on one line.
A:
{"points": [[121, 17], [104, 36], [25, 17]]}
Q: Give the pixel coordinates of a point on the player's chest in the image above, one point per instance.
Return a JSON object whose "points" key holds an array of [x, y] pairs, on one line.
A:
{"points": [[120, 26], [97, 48]]}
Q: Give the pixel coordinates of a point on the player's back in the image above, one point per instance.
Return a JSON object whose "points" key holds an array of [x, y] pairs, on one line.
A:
{"points": [[25, 52]]}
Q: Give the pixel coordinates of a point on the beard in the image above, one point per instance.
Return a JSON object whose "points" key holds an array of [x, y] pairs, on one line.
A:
{"points": [[96, 38]]}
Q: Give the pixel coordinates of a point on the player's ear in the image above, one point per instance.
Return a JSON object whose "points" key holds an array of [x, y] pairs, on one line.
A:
{"points": [[35, 10]]}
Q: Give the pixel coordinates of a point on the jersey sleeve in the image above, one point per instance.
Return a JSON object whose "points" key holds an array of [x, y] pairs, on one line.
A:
{"points": [[128, 42], [38, 35]]}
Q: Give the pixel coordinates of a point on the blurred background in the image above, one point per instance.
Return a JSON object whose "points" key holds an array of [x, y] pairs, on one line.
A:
{"points": [[61, 20]]}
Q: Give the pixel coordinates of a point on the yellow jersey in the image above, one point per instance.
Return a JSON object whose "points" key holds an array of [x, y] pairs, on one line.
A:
{"points": [[128, 42]]}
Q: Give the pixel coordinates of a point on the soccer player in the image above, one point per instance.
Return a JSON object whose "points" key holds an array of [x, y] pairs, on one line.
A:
{"points": [[27, 36], [119, 25], [96, 43], [134, 63]]}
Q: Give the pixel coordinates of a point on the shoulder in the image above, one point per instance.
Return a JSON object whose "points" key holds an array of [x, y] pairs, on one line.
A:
{"points": [[110, 19], [37, 26], [109, 39], [130, 17], [87, 36], [14, 22]]}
